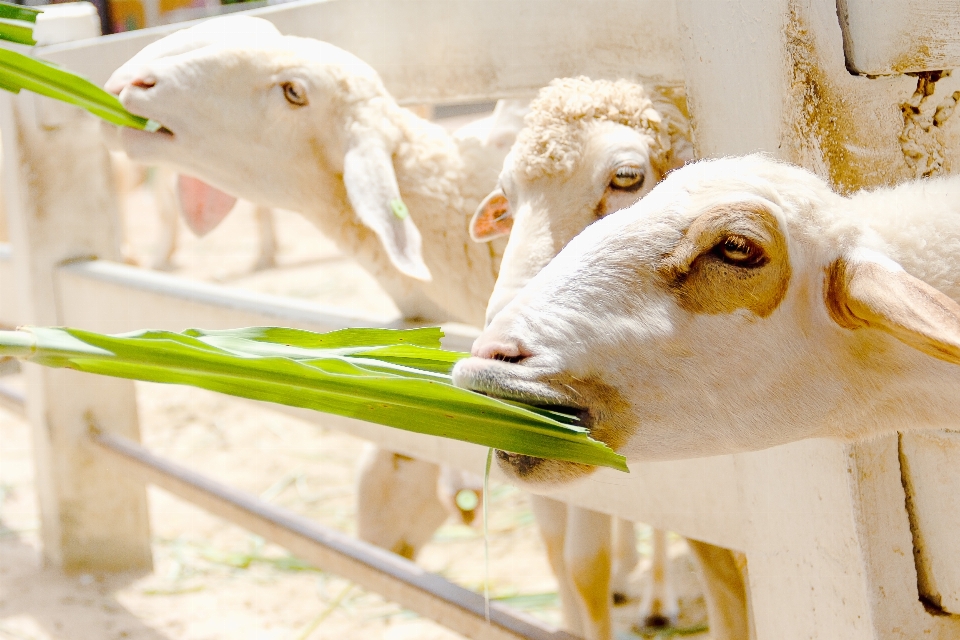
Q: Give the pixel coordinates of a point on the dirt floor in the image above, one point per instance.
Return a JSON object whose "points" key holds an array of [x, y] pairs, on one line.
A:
{"points": [[215, 581]]}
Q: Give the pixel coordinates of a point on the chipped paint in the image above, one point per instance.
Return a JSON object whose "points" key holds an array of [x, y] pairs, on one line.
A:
{"points": [[922, 138], [858, 132], [820, 121]]}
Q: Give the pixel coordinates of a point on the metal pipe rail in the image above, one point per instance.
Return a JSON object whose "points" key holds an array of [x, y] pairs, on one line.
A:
{"points": [[371, 567]]}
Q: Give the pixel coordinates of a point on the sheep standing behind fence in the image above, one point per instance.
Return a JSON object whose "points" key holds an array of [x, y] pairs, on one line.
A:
{"points": [[590, 149]]}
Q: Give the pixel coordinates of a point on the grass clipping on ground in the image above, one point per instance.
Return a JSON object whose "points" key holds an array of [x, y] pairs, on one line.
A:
{"points": [[397, 378]]}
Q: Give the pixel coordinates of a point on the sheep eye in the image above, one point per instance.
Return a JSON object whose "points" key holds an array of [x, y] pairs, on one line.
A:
{"points": [[628, 178], [295, 93], [741, 252]]}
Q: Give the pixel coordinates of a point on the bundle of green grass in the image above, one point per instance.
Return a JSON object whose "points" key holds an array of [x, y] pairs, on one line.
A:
{"points": [[397, 378], [19, 71]]}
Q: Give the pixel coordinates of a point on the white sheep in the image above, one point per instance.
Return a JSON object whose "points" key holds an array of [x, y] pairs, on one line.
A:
{"points": [[306, 126], [320, 135], [741, 305], [591, 148]]}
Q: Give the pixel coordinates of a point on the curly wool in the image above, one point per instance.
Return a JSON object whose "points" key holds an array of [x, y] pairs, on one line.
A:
{"points": [[553, 140]]}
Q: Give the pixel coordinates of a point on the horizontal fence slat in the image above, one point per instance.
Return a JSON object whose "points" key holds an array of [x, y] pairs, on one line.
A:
{"points": [[375, 569], [454, 50], [129, 298]]}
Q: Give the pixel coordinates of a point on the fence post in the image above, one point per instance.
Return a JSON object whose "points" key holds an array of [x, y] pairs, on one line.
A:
{"points": [[61, 207]]}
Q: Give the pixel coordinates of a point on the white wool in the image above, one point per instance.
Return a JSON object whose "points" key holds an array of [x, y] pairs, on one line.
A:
{"points": [[554, 137]]}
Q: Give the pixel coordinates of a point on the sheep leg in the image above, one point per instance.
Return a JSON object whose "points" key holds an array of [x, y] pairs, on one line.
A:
{"points": [[397, 504], [724, 591], [625, 559], [267, 257], [660, 607], [587, 550], [551, 519]]}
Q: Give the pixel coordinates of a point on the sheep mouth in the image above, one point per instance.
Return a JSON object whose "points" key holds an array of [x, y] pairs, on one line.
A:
{"points": [[532, 386]]}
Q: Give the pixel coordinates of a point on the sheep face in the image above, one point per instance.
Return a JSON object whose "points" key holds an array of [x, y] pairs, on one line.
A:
{"points": [[260, 106], [734, 308], [544, 213], [273, 119]]}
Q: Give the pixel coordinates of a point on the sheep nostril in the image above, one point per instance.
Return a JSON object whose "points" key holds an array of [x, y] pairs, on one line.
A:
{"points": [[147, 82], [503, 351]]}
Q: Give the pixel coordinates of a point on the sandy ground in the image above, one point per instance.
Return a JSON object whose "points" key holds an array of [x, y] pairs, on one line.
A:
{"points": [[213, 580]]}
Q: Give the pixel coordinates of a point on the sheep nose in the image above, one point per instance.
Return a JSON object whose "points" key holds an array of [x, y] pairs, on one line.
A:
{"points": [[119, 82], [146, 82], [506, 350]]}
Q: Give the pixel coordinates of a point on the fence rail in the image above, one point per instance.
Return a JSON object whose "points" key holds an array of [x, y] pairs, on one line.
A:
{"points": [[440, 51]]}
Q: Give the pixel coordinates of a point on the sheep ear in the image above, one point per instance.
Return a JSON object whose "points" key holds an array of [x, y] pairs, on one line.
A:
{"points": [[203, 206], [492, 219], [375, 197], [867, 289]]}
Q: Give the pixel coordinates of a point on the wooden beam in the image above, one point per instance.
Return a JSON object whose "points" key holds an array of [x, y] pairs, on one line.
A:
{"points": [[60, 205], [454, 50], [139, 298], [887, 37]]}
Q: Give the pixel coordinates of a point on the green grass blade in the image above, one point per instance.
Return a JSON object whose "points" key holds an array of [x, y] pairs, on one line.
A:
{"points": [[10, 11], [23, 72], [376, 390], [21, 34], [344, 338]]}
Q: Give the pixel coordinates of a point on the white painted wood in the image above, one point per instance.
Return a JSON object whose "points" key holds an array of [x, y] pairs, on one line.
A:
{"points": [[828, 540], [65, 22], [453, 50], [8, 288], [930, 461], [883, 37], [60, 205]]}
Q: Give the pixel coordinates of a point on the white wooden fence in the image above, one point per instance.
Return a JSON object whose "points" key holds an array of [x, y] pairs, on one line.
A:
{"points": [[851, 541]]}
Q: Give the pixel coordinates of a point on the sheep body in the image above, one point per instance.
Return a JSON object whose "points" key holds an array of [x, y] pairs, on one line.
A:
{"points": [[590, 148]]}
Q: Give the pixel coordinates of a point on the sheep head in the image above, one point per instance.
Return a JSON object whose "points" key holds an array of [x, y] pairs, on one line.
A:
{"points": [[590, 148], [738, 306], [279, 120]]}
